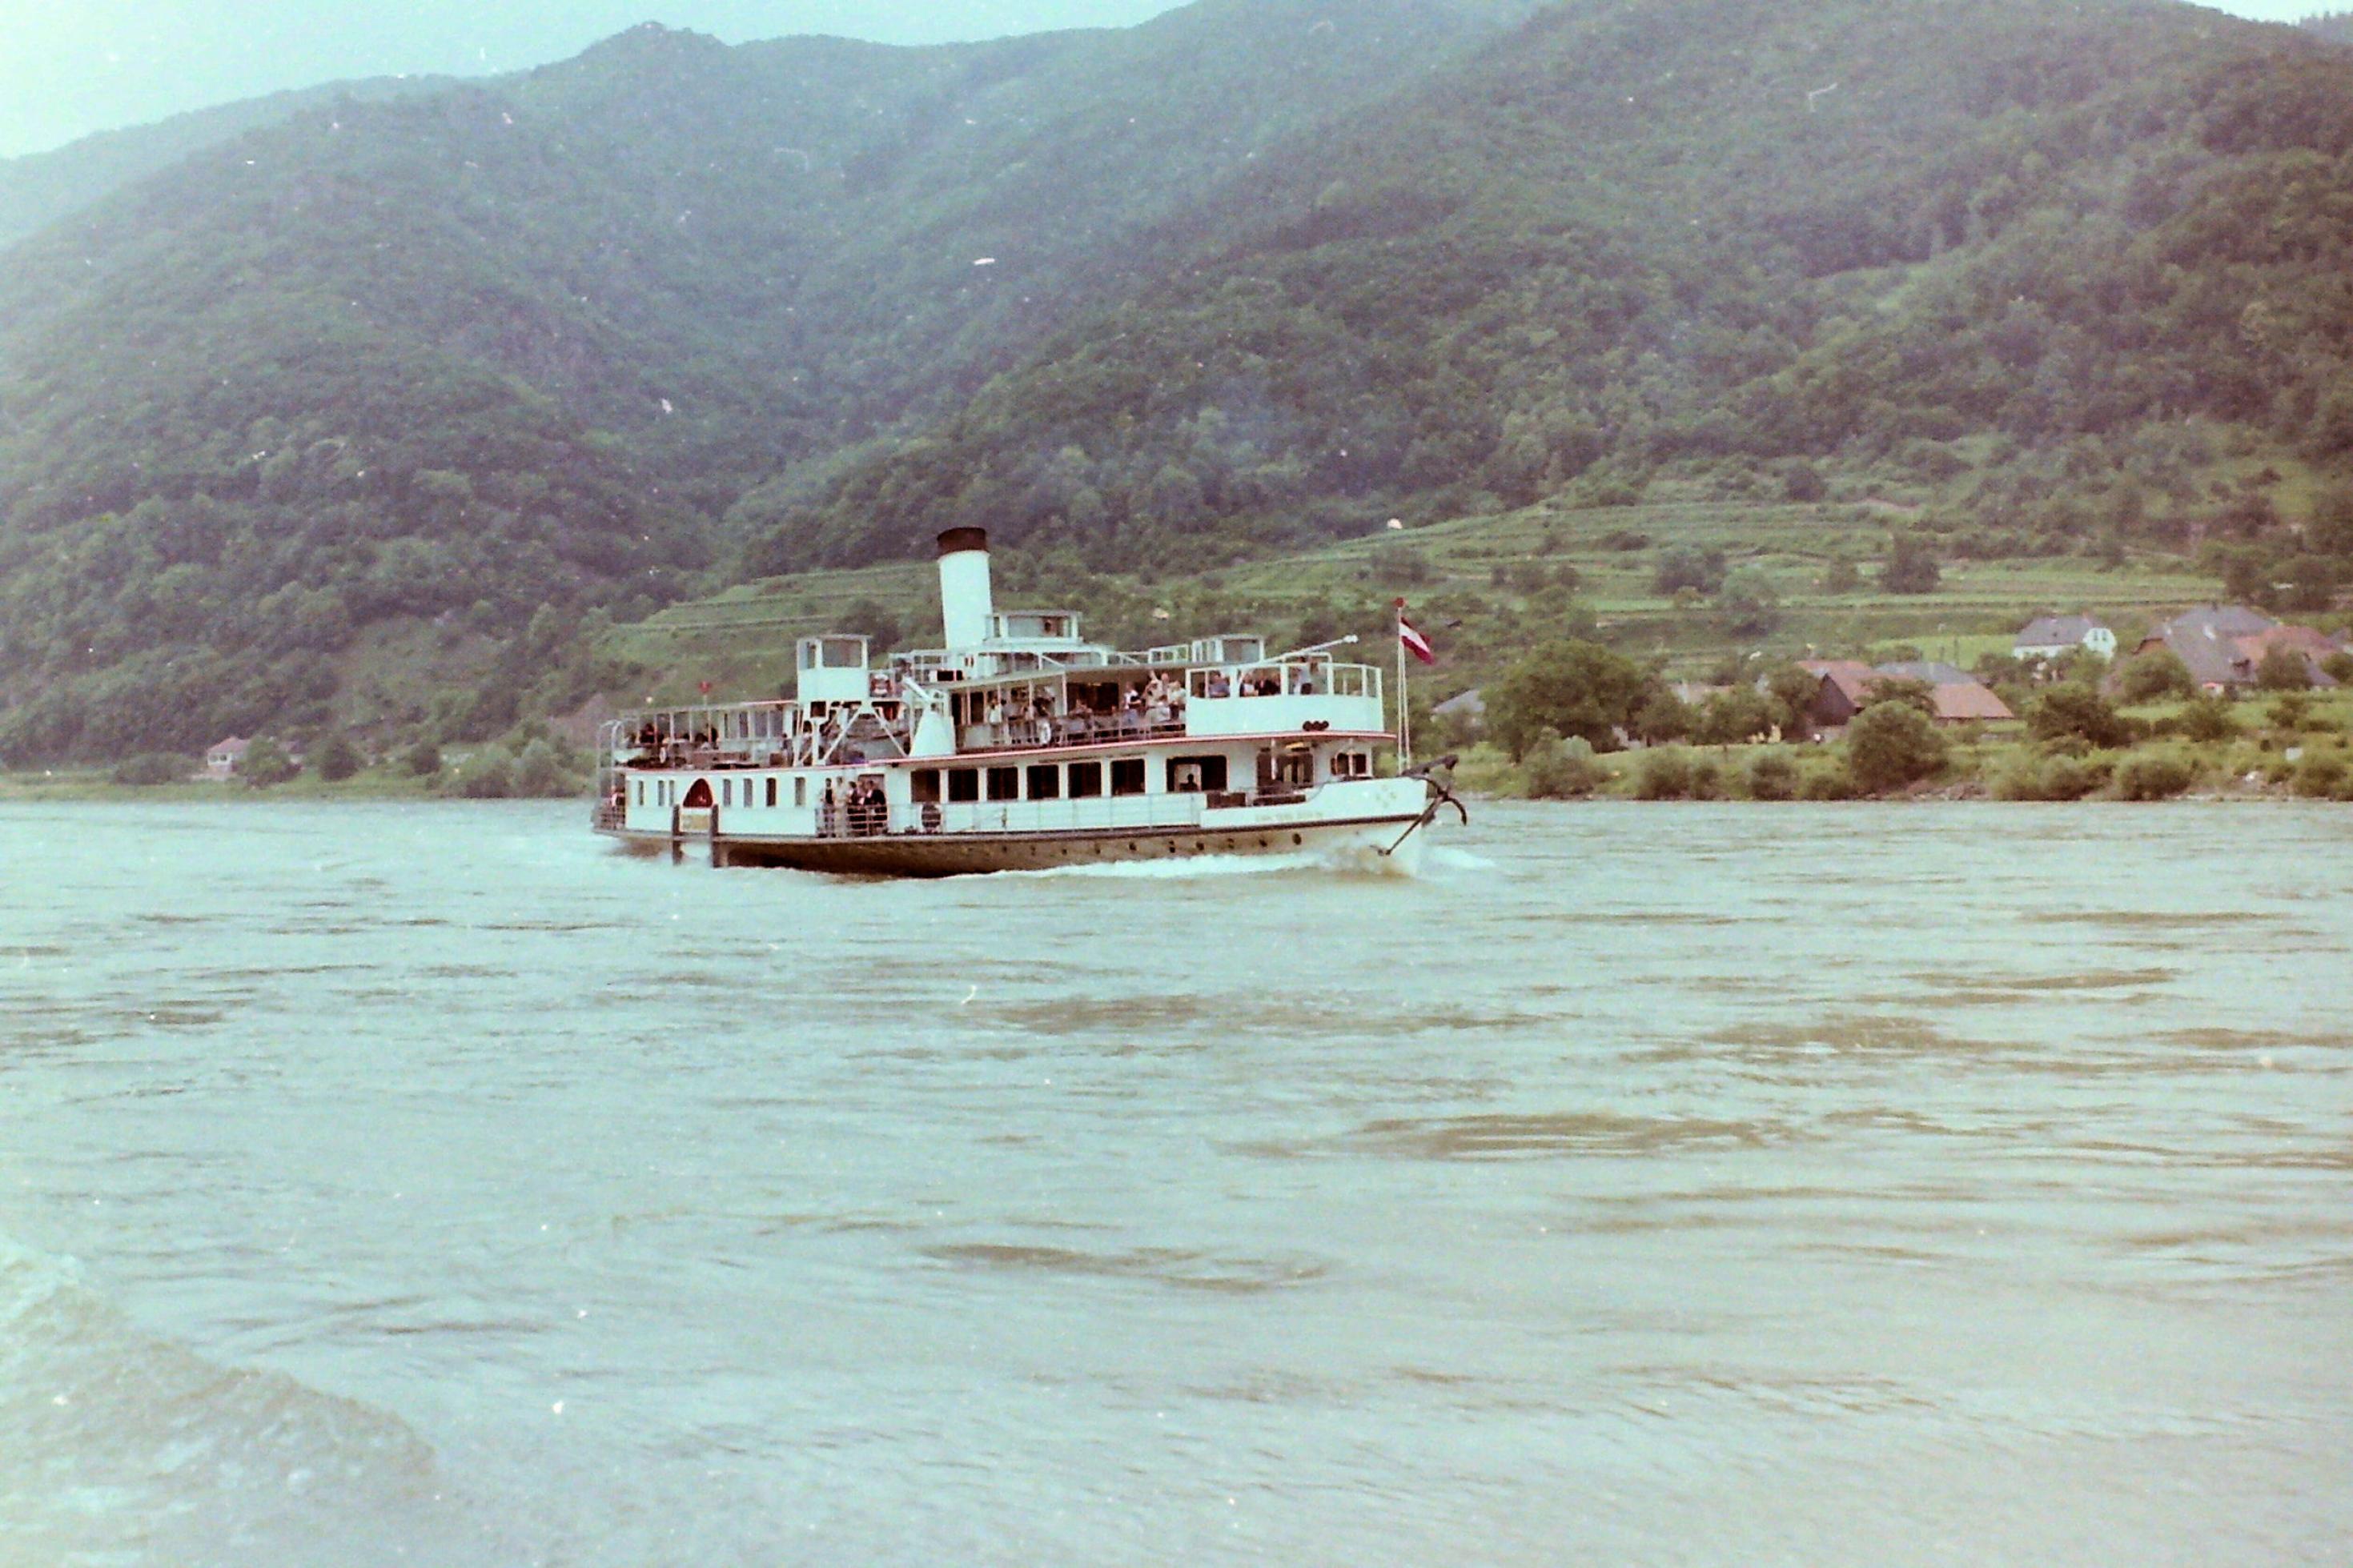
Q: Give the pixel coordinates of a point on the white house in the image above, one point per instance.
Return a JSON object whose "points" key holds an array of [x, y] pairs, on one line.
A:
{"points": [[2052, 635], [225, 757]]}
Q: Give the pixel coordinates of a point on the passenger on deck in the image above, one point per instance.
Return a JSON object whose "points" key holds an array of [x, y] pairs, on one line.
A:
{"points": [[996, 721], [1217, 685]]}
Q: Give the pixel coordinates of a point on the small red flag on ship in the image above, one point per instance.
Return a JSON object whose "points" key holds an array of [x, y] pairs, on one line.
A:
{"points": [[704, 687], [1415, 643]]}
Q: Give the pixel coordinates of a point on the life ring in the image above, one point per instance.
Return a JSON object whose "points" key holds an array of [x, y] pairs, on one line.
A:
{"points": [[933, 818]]}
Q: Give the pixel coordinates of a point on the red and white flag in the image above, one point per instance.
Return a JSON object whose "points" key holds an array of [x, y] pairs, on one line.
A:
{"points": [[1415, 643]]}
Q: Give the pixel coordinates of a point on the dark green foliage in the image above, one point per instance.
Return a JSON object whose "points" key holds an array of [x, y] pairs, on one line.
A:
{"points": [[1747, 604], [1772, 776], [1842, 577], [2152, 775], [1792, 691], [2322, 776], [1827, 784], [267, 763], [2283, 668], [1562, 770], [2049, 778], [2338, 668], [2208, 719], [1803, 482], [151, 768], [338, 758], [1662, 717], [1902, 691], [1662, 776], [2079, 711], [424, 759], [2158, 673], [874, 620], [1891, 745], [1731, 718], [1911, 567], [539, 769], [1702, 571], [1573, 688], [489, 775]]}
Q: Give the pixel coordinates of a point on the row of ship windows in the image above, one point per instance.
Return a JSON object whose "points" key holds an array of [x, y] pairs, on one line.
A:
{"points": [[1043, 781]]}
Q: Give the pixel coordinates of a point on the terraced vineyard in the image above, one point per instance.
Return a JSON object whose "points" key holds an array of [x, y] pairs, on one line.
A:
{"points": [[1498, 576]]}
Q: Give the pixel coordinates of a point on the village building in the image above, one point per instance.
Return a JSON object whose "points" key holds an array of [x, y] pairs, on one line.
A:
{"points": [[1958, 697], [2223, 645], [2054, 637], [1845, 689], [224, 758]]}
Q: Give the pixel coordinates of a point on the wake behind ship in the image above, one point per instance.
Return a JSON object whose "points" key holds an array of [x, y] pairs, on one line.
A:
{"points": [[1020, 746]]}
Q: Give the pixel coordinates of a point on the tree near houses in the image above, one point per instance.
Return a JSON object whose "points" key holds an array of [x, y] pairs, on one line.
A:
{"points": [[1903, 691], [1733, 718], [1793, 690], [266, 763], [1891, 745], [1575, 688], [2282, 669], [1664, 717], [2158, 673], [2079, 713]]}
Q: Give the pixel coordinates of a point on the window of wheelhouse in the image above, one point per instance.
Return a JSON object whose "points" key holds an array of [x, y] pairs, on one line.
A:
{"points": [[1127, 776], [1191, 776], [1005, 783], [1086, 780], [964, 784], [924, 786], [772, 791], [1045, 782]]}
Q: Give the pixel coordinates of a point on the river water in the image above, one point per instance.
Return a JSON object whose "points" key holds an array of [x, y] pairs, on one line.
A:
{"points": [[1676, 1184]]}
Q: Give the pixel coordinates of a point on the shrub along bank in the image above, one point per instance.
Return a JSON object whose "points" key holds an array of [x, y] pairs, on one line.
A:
{"points": [[2292, 746]]}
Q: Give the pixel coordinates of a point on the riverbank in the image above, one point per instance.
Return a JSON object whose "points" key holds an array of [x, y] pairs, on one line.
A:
{"points": [[2259, 749], [96, 784]]}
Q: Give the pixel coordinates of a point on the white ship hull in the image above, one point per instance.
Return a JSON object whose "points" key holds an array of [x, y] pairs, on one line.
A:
{"points": [[1376, 822]]}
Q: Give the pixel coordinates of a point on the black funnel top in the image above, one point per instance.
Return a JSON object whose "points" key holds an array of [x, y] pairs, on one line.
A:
{"points": [[956, 539]]}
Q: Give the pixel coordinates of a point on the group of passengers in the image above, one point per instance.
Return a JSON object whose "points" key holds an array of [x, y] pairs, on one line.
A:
{"points": [[661, 748], [860, 811]]}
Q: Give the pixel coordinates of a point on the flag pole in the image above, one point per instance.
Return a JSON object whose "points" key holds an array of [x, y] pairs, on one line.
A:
{"points": [[1405, 716]]}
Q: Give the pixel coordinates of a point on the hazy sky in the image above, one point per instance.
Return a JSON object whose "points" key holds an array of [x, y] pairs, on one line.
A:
{"points": [[71, 66]]}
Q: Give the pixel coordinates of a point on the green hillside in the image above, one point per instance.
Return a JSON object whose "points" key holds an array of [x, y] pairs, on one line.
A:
{"points": [[1990, 252], [462, 356], [44, 188], [387, 398]]}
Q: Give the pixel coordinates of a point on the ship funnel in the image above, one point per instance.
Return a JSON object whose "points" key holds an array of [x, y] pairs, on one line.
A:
{"points": [[966, 603]]}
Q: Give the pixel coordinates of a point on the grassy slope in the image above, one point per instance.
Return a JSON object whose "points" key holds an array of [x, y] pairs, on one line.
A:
{"points": [[741, 640]]}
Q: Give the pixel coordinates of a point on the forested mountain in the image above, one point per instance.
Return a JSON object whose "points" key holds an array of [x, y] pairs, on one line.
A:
{"points": [[1694, 232], [2336, 26], [42, 188], [376, 383], [522, 344]]}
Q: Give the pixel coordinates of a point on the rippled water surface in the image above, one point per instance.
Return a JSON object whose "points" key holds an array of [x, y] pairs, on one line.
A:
{"points": [[1657, 1184]]}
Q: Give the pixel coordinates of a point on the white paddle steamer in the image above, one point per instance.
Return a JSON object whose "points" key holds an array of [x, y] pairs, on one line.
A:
{"points": [[1020, 746]]}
